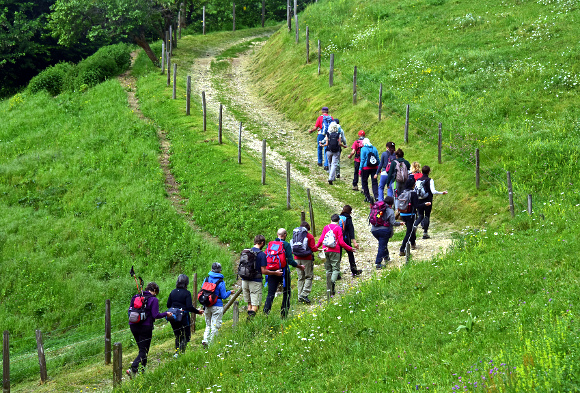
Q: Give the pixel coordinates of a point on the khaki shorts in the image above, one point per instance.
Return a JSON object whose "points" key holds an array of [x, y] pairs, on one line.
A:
{"points": [[252, 291]]}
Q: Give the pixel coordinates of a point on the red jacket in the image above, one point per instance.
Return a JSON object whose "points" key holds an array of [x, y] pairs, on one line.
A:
{"points": [[338, 236], [311, 245]]}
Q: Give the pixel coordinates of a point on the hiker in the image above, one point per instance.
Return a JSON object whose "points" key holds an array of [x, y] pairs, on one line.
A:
{"points": [[321, 125], [180, 298], [143, 330], [333, 145], [408, 204], [303, 248], [252, 283], [345, 223], [369, 162], [425, 190], [416, 170], [283, 247], [332, 239], [215, 313], [344, 144], [356, 146], [398, 172], [383, 169], [382, 220]]}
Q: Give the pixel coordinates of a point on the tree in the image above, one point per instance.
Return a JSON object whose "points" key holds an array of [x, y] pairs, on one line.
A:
{"points": [[138, 20]]}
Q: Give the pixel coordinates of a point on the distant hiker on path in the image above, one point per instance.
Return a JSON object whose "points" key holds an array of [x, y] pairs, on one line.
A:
{"points": [[369, 162], [398, 172], [143, 330], [321, 125], [425, 190], [344, 144], [356, 146], [382, 171], [279, 256], [180, 298], [382, 220], [408, 204], [333, 145], [303, 247], [251, 269], [214, 313], [345, 222], [332, 239]]}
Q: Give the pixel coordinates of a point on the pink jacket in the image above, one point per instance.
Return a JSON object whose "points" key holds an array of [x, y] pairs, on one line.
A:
{"points": [[339, 238]]}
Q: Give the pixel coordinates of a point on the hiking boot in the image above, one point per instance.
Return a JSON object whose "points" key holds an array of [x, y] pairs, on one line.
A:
{"points": [[354, 188], [387, 258], [332, 291], [379, 266], [426, 236], [330, 182], [357, 273], [319, 164], [338, 176], [130, 373], [204, 344], [304, 299], [402, 254], [325, 168], [176, 354], [339, 277], [413, 247], [251, 315]]}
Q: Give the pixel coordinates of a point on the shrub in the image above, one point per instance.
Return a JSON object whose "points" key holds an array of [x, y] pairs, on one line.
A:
{"points": [[106, 62], [51, 79], [120, 53]]}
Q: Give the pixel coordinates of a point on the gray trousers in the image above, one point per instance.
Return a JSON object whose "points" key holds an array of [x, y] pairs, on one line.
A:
{"points": [[333, 164], [213, 322], [305, 278]]}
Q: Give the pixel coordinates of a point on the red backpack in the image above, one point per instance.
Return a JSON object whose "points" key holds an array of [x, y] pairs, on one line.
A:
{"points": [[207, 296], [378, 210], [275, 255]]}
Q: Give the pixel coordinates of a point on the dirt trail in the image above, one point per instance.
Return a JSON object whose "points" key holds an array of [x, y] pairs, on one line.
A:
{"points": [[244, 96]]}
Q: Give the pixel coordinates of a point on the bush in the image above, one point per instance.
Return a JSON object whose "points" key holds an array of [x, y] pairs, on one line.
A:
{"points": [[120, 53], [51, 79], [107, 62]]}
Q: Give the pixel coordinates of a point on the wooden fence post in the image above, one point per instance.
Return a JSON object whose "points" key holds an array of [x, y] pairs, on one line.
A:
{"points": [[174, 81], [311, 212], [240, 145], [440, 143], [263, 161], [220, 125], [511, 194], [117, 364], [407, 253], [179, 22], [263, 11], [232, 300], [235, 314], [171, 40], [188, 96], [204, 20], [6, 362], [108, 331], [331, 76], [307, 46], [288, 19], [192, 327], [530, 204], [407, 125], [354, 87], [204, 110], [477, 168], [234, 15], [163, 58], [168, 70], [302, 216], [288, 185], [175, 36], [167, 42], [380, 100], [41, 358], [296, 18], [328, 286], [319, 56]]}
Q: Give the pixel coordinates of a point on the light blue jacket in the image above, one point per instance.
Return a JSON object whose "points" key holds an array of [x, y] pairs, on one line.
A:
{"points": [[221, 288]]}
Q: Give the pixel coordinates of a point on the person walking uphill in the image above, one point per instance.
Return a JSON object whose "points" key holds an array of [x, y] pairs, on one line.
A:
{"points": [[399, 172], [408, 205], [345, 222], [215, 313], [143, 329], [279, 256], [321, 125], [333, 142], [180, 298], [386, 158], [425, 191], [303, 248], [252, 275], [356, 146], [369, 162], [382, 220], [332, 239]]}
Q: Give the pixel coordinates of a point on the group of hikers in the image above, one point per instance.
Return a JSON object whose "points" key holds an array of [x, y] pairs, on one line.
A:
{"points": [[409, 196]]}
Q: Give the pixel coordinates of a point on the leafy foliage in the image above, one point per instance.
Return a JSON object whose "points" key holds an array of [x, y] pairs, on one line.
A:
{"points": [[52, 79]]}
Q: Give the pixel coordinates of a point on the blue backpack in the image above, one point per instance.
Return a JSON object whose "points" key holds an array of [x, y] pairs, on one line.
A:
{"points": [[342, 223], [326, 120]]}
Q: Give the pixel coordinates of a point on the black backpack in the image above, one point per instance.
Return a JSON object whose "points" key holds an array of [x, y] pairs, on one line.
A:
{"points": [[247, 267], [333, 142], [299, 242]]}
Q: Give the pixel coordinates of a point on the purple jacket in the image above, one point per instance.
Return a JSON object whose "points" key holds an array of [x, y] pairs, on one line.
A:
{"points": [[152, 312]]}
